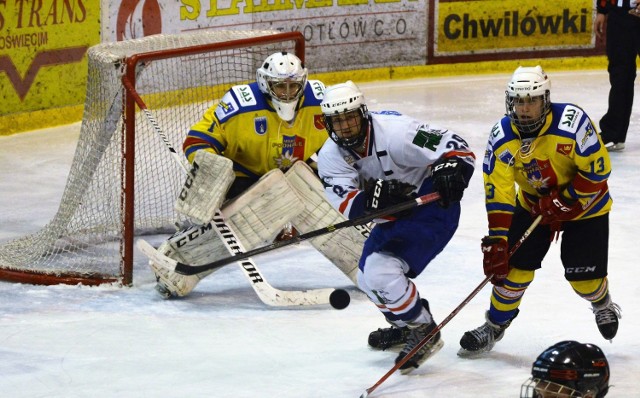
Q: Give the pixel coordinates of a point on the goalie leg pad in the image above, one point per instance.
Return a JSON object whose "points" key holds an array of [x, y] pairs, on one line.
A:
{"points": [[259, 214], [256, 217], [205, 187], [196, 245], [343, 247]]}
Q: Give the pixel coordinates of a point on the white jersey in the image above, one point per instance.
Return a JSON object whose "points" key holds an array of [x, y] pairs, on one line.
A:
{"points": [[399, 147]]}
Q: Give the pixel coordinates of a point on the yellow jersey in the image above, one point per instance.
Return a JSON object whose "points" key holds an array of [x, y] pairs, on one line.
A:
{"points": [[245, 128]]}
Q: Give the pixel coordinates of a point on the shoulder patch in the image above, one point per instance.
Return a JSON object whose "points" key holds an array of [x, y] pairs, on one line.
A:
{"points": [[226, 107], [570, 119], [586, 136], [497, 133], [245, 95], [317, 87]]}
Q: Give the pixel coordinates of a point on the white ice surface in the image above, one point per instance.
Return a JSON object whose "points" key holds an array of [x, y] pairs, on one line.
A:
{"points": [[221, 341]]}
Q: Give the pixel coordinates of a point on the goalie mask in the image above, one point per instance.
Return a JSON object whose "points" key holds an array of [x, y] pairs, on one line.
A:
{"points": [[282, 77], [345, 114], [527, 99], [568, 369]]}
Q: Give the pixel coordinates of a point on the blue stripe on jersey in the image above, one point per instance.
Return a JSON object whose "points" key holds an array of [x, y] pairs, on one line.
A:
{"points": [[501, 207], [193, 148]]}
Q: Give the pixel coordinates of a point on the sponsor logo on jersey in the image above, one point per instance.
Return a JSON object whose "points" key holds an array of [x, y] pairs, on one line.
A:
{"points": [[318, 122], [564, 149], [226, 107], [317, 88], [245, 95], [496, 134], [571, 115], [586, 136], [260, 125]]}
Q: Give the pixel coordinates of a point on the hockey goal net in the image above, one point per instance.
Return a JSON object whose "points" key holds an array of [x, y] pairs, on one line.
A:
{"points": [[123, 180]]}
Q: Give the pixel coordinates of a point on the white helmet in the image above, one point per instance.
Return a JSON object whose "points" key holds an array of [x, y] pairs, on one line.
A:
{"points": [[283, 77], [528, 82], [339, 103]]}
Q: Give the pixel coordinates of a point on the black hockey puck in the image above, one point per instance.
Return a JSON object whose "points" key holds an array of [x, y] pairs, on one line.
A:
{"points": [[339, 299]]}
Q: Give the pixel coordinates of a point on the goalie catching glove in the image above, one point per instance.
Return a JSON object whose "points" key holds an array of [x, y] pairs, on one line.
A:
{"points": [[450, 179], [495, 259], [381, 194]]}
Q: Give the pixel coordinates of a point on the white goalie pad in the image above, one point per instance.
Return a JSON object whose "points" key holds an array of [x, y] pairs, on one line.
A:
{"points": [[196, 245], [259, 214], [343, 247], [256, 217], [205, 187]]}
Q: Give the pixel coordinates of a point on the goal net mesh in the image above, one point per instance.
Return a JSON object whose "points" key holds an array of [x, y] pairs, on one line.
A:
{"points": [[84, 242]]}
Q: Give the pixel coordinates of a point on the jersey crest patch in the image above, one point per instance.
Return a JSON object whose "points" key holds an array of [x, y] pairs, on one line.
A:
{"points": [[245, 95], [540, 175], [260, 125], [292, 150]]}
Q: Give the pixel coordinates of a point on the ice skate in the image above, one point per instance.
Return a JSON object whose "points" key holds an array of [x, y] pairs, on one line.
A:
{"points": [[415, 336], [607, 315], [483, 338], [388, 338]]}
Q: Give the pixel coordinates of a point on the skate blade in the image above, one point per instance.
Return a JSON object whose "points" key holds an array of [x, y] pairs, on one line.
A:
{"points": [[432, 351], [462, 353]]}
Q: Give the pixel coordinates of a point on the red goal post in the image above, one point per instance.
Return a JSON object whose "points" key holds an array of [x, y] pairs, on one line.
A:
{"points": [[123, 182]]}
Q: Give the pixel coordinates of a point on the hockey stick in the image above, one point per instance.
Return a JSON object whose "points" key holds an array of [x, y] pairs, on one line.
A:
{"points": [[267, 293], [455, 312], [187, 269]]}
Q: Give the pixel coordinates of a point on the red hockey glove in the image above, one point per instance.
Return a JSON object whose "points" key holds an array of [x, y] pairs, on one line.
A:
{"points": [[555, 208], [496, 259]]}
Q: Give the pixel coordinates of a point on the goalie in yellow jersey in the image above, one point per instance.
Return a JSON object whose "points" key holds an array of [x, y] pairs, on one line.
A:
{"points": [[547, 159], [252, 155]]}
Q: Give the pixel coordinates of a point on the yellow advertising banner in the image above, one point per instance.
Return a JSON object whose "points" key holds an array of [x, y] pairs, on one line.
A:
{"points": [[42, 53], [491, 26]]}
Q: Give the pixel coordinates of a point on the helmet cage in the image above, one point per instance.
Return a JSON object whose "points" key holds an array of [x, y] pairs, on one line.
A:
{"points": [[348, 129], [282, 78], [529, 125], [537, 388], [528, 84]]}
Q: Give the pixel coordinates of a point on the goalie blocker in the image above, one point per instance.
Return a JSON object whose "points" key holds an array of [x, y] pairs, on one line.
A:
{"points": [[256, 217]]}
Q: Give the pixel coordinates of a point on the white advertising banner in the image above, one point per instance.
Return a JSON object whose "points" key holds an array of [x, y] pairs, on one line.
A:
{"points": [[339, 34]]}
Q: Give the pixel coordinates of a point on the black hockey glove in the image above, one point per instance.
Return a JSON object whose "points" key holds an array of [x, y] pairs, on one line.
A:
{"points": [[382, 194], [449, 180]]}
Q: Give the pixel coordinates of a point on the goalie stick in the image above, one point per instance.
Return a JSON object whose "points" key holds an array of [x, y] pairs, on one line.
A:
{"points": [[267, 293], [455, 312], [187, 269]]}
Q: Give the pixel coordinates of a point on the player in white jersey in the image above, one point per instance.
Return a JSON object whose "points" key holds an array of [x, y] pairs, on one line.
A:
{"points": [[375, 160]]}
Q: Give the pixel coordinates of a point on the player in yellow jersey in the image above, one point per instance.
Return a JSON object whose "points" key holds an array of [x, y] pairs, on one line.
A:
{"points": [[264, 125], [543, 158]]}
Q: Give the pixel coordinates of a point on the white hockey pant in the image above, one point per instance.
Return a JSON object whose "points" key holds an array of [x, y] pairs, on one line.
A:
{"points": [[384, 281]]}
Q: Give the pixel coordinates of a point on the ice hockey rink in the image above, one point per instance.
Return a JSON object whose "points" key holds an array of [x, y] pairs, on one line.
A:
{"points": [[222, 341]]}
